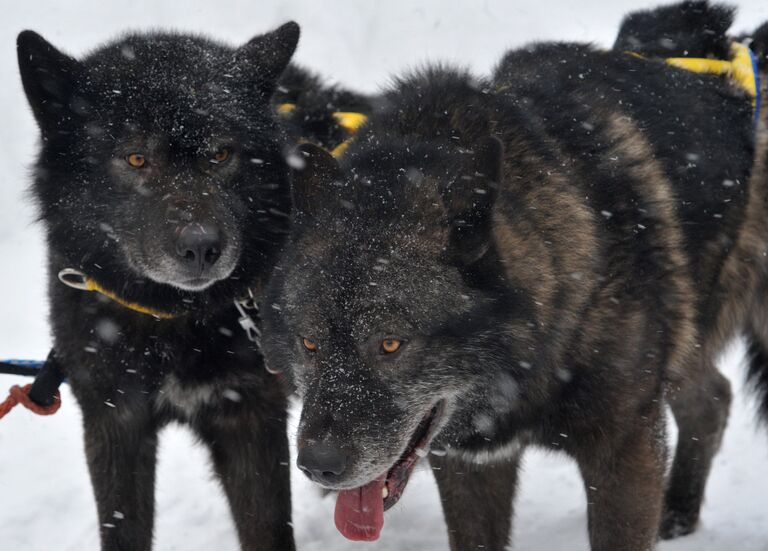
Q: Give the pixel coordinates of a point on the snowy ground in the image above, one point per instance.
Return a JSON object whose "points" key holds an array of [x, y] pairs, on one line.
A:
{"points": [[45, 495]]}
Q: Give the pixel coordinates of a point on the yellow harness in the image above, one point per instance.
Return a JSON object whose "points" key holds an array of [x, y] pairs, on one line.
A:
{"points": [[741, 69], [78, 280], [348, 120]]}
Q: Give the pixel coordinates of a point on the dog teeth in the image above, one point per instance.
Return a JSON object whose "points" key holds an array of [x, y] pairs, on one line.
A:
{"points": [[384, 492]]}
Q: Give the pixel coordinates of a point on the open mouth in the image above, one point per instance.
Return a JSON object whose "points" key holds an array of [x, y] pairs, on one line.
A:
{"points": [[359, 512]]}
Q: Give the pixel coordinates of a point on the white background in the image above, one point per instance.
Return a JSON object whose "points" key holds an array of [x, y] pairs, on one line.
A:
{"points": [[45, 495]]}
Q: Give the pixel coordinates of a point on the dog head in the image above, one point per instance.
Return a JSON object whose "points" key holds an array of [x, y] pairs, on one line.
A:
{"points": [[160, 156], [381, 306]]}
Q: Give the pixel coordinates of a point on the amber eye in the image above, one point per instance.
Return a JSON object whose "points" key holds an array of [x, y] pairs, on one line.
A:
{"points": [[389, 346], [309, 344], [136, 160], [221, 156]]}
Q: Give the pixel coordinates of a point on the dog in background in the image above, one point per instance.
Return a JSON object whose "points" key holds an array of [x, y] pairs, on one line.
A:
{"points": [[698, 29], [315, 106]]}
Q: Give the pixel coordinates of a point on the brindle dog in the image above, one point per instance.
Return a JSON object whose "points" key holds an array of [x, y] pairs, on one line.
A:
{"points": [[538, 259]]}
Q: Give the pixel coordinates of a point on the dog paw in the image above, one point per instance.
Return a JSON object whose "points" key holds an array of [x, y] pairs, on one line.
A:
{"points": [[675, 524]]}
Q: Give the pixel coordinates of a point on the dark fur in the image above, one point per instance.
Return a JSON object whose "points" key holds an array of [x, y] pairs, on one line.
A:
{"points": [[756, 330], [316, 102], [688, 29], [739, 305], [176, 99], [552, 295], [759, 45]]}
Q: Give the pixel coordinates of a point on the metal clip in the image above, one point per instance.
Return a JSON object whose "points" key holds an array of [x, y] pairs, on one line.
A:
{"points": [[250, 328], [245, 320], [249, 302]]}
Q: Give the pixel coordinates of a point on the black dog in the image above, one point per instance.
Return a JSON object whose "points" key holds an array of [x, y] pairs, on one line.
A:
{"points": [[313, 107], [162, 184], [531, 260]]}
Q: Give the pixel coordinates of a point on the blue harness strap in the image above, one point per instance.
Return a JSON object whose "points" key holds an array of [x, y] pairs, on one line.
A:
{"points": [[21, 367], [36, 364]]}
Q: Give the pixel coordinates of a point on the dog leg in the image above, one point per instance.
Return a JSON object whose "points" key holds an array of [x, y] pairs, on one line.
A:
{"points": [[757, 340], [624, 487], [477, 501], [121, 451], [700, 405], [250, 456]]}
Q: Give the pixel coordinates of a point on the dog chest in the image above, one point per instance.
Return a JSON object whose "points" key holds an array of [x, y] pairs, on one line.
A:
{"points": [[186, 399]]}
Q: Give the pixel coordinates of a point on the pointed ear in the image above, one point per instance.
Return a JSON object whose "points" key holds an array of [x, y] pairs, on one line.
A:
{"points": [[311, 183], [48, 77], [469, 201], [266, 56]]}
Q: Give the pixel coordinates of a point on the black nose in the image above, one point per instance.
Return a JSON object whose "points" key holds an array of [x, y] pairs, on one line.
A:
{"points": [[322, 462], [199, 244]]}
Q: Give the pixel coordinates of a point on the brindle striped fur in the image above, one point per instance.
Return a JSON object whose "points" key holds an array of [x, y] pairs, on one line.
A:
{"points": [[555, 295]]}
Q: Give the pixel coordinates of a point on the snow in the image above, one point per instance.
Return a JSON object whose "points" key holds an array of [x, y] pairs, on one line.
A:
{"points": [[45, 494]]}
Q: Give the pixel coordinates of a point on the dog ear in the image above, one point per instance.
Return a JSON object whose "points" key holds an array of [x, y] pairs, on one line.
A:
{"points": [[312, 178], [266, 56], [469, 201], [48, 77]]}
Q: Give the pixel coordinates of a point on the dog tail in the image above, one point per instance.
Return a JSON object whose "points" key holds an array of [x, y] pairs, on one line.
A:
{"points": [[694, 28]]}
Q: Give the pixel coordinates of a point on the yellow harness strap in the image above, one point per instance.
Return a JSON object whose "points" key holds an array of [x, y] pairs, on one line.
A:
{"points": [[348, 120], [740, 69], [285, 108], [78, 280], [339, 150]]}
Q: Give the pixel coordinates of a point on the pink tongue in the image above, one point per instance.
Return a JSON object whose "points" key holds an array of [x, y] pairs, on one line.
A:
{"points": [[360, 512]]}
